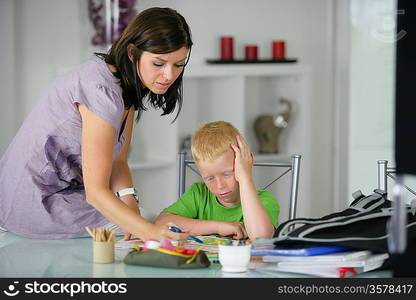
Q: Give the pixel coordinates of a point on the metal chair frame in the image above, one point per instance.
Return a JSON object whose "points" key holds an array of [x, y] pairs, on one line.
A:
{"points": [[397, 241], [384, 171]]}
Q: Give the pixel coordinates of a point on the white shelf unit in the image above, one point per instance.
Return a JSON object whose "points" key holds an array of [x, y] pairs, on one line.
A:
{"points": [[152, 160], [237, 94]]}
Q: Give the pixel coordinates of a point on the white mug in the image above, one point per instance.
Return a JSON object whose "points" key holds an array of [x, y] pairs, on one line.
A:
{"points": [[234, 258]]}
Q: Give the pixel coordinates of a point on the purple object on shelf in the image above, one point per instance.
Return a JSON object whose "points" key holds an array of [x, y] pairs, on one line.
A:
{"points": [[109, 18]]}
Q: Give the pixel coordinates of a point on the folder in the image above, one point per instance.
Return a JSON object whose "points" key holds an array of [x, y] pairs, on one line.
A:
{"points": [[310, 251], [330, 257]]}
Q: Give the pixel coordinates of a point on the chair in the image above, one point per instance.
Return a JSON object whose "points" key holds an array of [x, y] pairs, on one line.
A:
{"points": [[397, 227], [293, 166], [384, 171]]}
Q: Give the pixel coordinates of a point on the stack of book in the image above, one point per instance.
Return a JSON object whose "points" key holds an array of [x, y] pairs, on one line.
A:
{"points": [[324, 261]]}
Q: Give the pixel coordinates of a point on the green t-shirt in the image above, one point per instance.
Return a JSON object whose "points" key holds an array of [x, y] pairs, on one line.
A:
{"points": [[199, 203]]}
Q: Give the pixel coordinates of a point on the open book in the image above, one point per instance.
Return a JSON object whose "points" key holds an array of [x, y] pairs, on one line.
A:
{"points": [[210, 243]]}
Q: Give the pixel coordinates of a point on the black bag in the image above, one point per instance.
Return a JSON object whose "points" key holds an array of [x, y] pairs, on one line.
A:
{"points": [[362, 226]]}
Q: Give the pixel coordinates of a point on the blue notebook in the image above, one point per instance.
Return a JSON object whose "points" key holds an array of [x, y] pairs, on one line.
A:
{"points": [[319, 250]]}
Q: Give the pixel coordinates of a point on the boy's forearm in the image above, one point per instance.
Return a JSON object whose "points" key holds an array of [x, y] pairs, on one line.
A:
{"points": [[195, 226], [256, 219]]}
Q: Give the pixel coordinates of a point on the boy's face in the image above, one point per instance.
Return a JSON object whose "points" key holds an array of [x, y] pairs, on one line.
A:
{"points": [[219, 177]]}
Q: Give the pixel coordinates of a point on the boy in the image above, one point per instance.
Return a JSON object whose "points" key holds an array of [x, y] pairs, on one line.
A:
{"points": [[227, 202]]}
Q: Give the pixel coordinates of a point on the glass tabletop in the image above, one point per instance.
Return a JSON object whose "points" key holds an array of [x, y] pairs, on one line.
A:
{"points": [[24, 257]]}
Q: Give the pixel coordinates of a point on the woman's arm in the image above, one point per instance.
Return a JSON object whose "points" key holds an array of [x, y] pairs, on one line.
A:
{"points": [[121, 176], [256, 220], [97, 165]]}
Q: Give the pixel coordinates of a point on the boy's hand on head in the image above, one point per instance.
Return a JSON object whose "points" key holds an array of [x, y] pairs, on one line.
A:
{"points": [[234, 229], [243, 163]]}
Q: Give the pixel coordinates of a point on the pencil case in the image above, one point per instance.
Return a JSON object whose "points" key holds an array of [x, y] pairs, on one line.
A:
{"points": [[161, 257]]}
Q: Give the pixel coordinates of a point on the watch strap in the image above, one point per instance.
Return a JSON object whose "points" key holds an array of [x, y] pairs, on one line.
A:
{"points": [[128, 191]]}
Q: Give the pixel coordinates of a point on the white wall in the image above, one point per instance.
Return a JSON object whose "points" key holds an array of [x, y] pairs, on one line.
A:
{"points": [[372, 69], [307, 27], [7, 75], [50, 37], [53, 35]]}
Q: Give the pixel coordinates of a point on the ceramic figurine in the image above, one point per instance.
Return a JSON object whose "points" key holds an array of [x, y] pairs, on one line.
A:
{"points": [[269, 127]]}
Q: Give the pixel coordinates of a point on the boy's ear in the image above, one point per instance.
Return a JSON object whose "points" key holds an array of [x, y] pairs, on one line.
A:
{"points": [[130, 48]]}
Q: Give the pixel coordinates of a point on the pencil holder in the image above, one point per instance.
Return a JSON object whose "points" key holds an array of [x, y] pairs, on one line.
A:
{"points": [[103, 252]]}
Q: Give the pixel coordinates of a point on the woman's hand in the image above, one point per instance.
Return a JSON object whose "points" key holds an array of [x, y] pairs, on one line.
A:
{"points": [[162, 232], [243, 163]]}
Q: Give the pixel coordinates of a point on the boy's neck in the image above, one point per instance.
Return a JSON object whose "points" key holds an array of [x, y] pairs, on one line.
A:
{"points": [[225, 204]]}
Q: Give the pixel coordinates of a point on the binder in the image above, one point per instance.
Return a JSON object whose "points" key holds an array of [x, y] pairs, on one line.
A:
{"points": [[330, 257], [310, 251]]}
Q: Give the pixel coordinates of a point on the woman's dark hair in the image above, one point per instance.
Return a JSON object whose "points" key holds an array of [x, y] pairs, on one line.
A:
{"points": [[157, 30]]}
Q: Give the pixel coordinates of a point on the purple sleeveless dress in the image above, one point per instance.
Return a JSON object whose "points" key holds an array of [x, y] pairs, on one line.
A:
{"points": [[41, 186]]}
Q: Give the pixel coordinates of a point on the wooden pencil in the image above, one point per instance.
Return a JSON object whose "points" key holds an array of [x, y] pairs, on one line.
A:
{"points": [[89, 232], [111, 237]]}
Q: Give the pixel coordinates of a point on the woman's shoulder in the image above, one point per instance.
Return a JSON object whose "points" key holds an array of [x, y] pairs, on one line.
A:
{"points": [[95, 72], [91, 73], [94, 75], [93, 85]]}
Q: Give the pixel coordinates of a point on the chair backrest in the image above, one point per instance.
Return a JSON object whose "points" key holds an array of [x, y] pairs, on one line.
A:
{"points": [[384, 171], [293, 166], [397, 228]]}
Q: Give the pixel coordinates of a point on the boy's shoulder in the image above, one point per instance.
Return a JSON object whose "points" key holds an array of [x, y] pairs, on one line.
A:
{"points": [[198, 192], [265, 194], [198, 184], [199, 188]]}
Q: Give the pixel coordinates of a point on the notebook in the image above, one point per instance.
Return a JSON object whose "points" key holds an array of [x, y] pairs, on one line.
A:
{"points": [[319, 250], [330, 257], [332, 269]]}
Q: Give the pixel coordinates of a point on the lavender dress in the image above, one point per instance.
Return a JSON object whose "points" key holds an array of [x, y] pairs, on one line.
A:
{"points": [[41, 186]]}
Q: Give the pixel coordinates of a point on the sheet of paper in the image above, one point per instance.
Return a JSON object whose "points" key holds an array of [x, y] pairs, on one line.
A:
{"points": [[122, 244], [210, 243]]}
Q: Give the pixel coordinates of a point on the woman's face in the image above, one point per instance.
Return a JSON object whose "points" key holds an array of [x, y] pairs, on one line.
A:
{"points": [[159, 71]]}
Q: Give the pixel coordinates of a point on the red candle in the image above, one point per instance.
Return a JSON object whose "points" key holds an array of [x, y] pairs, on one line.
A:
{"points": [[278, 50], [251, 52], [227, 48]]}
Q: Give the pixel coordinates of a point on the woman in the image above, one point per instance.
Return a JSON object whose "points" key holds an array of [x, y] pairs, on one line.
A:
{"points": [[67, 166]]}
